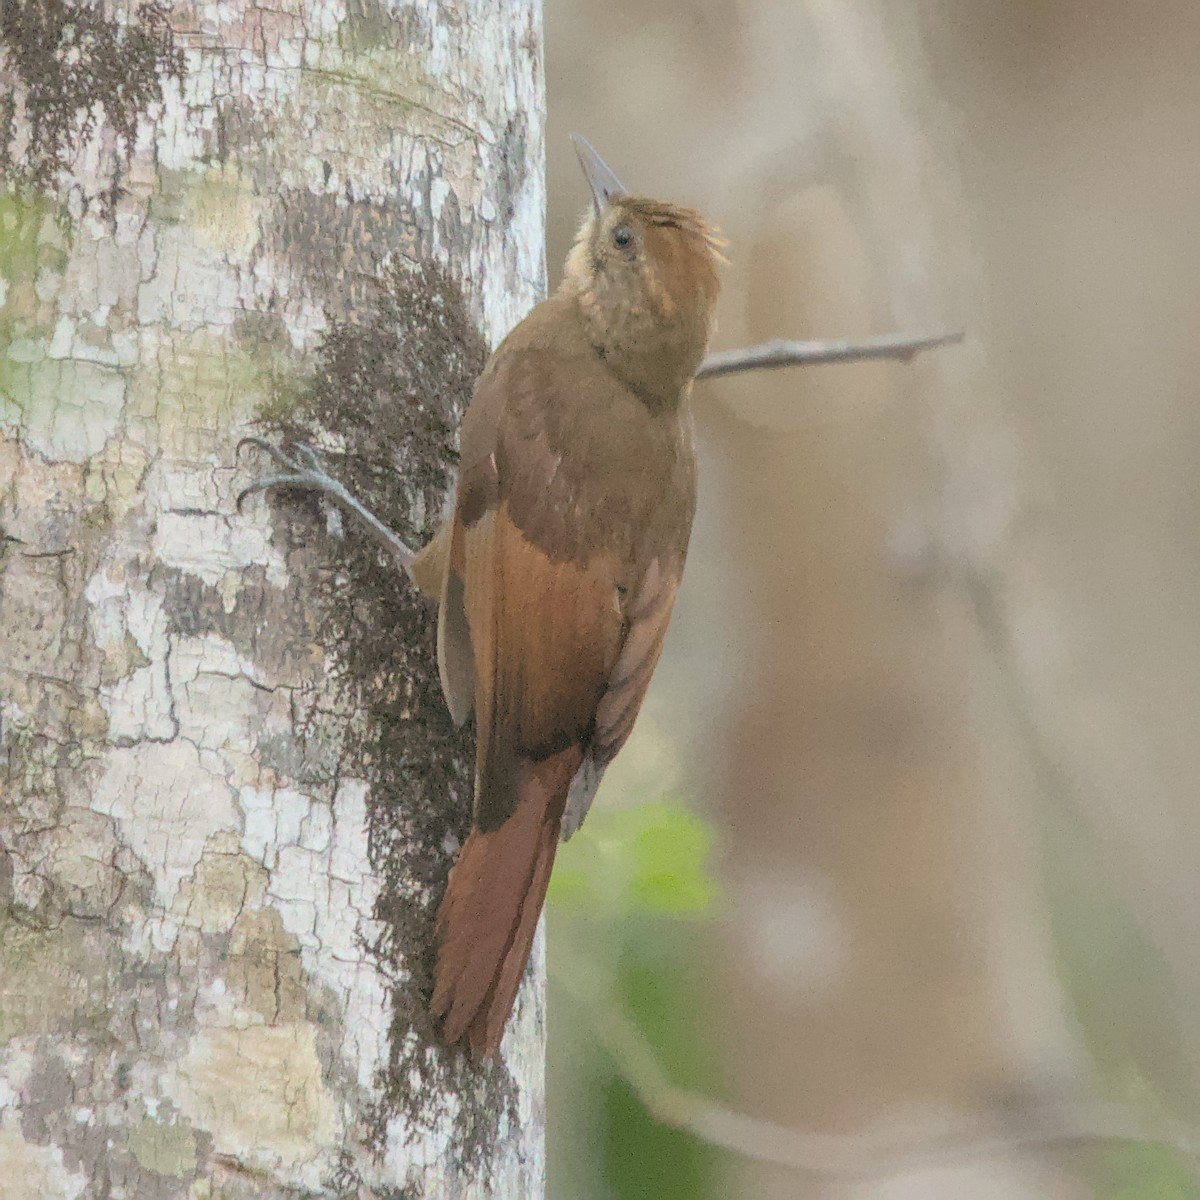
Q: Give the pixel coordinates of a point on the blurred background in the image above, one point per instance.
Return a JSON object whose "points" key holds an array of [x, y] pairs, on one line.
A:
{"points": [[908, 834]]}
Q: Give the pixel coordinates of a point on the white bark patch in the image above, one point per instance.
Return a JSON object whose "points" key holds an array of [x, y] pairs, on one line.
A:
{"points": [[167, 805], [73, 408], [34, 1172], [216, 549], [139, 704], [190, 286], [219, 702], [324, 890]]}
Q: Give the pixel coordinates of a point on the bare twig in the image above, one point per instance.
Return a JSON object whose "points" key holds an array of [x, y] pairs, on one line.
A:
{"points": [[853, 1156], [772, 355]]}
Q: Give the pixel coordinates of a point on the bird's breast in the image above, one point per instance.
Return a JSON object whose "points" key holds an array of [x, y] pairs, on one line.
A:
{"points": [[624, 488]]}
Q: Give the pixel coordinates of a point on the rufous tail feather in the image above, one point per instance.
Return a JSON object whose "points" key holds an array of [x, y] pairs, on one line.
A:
{"points": [[487, 920]]}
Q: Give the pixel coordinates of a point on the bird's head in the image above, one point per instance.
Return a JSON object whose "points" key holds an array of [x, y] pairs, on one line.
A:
{"points": [[644, 274]]}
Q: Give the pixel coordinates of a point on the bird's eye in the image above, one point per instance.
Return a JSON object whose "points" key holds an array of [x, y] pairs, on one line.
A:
{"points": [[622, 236]]}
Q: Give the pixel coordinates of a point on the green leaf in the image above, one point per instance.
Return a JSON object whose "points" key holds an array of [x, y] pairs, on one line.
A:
{"points": [[651, 857], [1146, 1173]]}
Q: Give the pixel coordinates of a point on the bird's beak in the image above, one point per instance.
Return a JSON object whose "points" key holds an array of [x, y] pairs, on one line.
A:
{"points": [[604, 184]]}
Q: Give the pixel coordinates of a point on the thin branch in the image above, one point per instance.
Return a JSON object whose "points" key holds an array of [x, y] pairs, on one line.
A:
{"points": [[852, 1156], [1057, 784], [772, 355]]}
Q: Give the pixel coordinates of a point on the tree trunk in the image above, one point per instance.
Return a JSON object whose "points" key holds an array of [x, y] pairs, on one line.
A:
{"points": [[229, 792]]}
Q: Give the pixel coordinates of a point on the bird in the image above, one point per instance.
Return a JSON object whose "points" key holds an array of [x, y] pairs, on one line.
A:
{"points": [[556, 570], [560, 565]]}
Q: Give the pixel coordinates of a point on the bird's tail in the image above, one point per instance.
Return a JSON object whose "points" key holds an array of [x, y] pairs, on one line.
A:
{"points": [[489, 915]]}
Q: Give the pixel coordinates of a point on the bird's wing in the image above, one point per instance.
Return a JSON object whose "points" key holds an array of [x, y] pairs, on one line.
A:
{"points": [[476, 494], [545, 634], [647, 616], [534, 633]]}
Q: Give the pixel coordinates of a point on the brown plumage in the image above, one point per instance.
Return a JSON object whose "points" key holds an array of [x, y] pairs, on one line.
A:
{"points": [[558, 568]]}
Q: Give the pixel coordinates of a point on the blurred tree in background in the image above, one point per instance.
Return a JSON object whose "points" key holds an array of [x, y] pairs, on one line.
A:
{"points": [[933, 669]]}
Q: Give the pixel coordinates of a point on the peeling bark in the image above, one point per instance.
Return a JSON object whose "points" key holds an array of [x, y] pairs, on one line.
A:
{"points": [[215, 896]]}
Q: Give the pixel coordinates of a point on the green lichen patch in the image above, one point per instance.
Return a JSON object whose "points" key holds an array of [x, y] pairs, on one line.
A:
{"points": [[225, 211], [22, 245], [199, 387], [164, 1149], [54, 978], [389, 392], [71, 62], [373, 25], [33, 237]]}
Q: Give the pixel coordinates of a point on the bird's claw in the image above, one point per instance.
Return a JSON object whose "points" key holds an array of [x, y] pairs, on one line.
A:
{"points": [[270, 448], [272, 481], [302, 468]]}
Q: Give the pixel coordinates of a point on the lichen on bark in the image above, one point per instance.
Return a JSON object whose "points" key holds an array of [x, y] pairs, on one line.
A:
{"points": [[385, 402], [74, 68]]}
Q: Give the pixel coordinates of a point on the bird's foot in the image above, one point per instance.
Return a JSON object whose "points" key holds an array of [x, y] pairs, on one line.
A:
{"points": [[302, 468]]}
